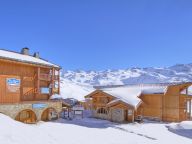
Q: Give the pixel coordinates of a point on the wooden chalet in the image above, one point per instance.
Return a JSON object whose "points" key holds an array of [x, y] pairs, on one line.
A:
{"points": [[162, 102], [26, 84]]}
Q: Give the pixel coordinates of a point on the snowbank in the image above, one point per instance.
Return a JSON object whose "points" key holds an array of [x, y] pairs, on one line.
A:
{"points": [[185, 125], [56, 96], [86, 131]]}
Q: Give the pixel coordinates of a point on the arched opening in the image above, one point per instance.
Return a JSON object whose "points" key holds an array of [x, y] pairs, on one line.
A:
{"points": [[49, 114], [102, 111], [26, 116]]}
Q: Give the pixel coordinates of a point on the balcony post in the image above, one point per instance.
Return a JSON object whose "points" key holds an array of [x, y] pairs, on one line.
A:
{"points": [[58, 81], [52, 81], [38, 83]]}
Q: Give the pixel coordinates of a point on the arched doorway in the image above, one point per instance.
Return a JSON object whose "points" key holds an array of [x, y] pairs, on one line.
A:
{"points": [[26, 116], [49, 114]]}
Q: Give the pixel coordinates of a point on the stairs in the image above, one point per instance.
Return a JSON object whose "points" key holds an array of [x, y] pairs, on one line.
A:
{"points": [[30, 92]]}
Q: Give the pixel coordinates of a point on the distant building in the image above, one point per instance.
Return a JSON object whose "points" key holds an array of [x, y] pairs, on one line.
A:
{"points": [[163, 102], [26, 84]]}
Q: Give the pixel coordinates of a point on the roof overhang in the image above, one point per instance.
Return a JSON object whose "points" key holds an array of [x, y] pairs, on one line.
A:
{"points": [[28, 63]]}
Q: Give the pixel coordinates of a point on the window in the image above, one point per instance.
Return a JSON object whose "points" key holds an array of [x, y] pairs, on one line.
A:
{"points": [[102, 111], [44, 90], [130, 112]]}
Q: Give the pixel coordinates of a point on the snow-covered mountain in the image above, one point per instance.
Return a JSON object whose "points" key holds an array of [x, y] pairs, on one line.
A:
{"points": [[70, 89], [176, 73]]}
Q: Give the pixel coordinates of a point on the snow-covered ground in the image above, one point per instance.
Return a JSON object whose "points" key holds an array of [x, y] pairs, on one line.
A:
{"points": [[90, 131]]}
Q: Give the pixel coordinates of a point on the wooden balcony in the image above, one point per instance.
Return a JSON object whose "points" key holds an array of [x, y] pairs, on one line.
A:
{"points": [[45, 77], [48, 77]]}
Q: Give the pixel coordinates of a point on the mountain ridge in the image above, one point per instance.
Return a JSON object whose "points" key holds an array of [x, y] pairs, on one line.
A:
{"points": [[135, 75]]}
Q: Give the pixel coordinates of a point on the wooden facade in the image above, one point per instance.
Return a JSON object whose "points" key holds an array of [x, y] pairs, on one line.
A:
{"points": [[32, 79], [174, 105], [22, 81], [104, 106]]}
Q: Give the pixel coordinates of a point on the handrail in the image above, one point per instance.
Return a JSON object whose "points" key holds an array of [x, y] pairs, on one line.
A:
{"points": [[32, 91], [48, 77]]}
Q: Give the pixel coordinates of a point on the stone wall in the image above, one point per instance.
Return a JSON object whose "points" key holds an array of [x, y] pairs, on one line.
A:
{"points": [[13, 110], [115, 115], [101, 116]]}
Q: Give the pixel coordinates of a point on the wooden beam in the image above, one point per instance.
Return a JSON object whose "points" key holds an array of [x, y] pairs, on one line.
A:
{"points": [[58, 81], [52, 81], [38, 82], [21, 89]]}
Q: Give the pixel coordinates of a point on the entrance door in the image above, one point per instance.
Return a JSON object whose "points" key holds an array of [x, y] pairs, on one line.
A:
{"points": [[117, 115], [130, 115], [26, 116], [189, 109], [49, 114]]}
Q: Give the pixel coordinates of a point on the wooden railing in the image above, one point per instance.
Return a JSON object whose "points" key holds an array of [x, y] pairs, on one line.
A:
{"points": [[30, 92], [48, 77], [45, 77]]}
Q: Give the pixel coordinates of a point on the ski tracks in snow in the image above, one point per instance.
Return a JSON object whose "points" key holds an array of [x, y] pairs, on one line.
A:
{"points": [[132, 132]]}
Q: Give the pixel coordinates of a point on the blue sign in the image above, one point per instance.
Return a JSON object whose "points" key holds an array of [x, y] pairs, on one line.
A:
{"points": [[39, 106], [13, 82]]}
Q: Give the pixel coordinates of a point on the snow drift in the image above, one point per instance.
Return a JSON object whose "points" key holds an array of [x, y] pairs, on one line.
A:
{"points": [[85, 131], [185, 125]]}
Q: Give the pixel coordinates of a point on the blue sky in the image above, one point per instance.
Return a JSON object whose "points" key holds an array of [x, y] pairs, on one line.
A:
{"points": [[100, 34]]}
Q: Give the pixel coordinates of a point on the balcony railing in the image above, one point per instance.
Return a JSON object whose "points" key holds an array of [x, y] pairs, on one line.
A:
{"points": [[48, 77], [45, 77]]}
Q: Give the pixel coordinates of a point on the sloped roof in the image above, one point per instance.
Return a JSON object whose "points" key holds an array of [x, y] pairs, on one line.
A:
{"points": [[117, 101], [130, 94], [14, 56]]}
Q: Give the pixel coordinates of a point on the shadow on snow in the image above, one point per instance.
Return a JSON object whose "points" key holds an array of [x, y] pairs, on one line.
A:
{"points": [[102, 124], [182, 132]]}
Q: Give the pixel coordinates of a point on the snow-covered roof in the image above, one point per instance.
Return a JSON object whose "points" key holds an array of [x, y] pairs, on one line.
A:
{"points": [[4, 54], [115, 101], [129, 94], [56, 96]]}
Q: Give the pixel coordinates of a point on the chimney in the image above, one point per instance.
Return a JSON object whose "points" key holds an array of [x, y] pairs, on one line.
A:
{"points": [[25, 51], [36, 55]]}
